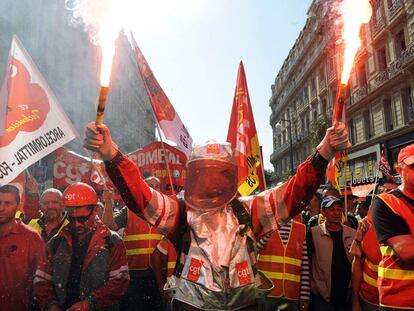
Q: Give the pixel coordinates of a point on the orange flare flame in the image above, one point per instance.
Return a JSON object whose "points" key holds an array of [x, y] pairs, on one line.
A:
{"points": [[354, 14]]}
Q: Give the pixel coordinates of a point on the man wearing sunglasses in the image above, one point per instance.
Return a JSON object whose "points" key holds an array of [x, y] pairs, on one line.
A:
{"points": [[393, 218], [90, 269]]}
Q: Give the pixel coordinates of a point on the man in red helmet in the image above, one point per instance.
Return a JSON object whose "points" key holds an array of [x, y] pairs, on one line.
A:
{"points": [[213, 231], [89, 264]]}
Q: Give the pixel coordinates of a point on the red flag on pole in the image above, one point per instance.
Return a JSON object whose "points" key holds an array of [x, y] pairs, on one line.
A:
{"points": [[242, 135], [336, 168], [35, 123], [385, 167], [164, 112]]}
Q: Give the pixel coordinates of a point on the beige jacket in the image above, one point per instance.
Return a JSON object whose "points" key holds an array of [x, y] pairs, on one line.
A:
{"points": [[322, 258]]}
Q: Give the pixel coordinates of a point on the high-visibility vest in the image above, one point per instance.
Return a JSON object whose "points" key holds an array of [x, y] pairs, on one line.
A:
{"points": [[368, 286], [396, 278], [282, 263], [34, 223], [140, 241], [172, 259]]}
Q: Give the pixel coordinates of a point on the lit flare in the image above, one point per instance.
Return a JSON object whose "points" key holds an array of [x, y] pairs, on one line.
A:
{"points": [[354, 14]]}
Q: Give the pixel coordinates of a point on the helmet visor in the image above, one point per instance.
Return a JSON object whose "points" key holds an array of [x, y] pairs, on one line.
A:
{"points": [[210, 183]]}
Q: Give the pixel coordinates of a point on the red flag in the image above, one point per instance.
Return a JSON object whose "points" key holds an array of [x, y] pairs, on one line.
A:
{"points": [[335, 170], [35, 123], [242, 135], [164, 112], [385, 167]]}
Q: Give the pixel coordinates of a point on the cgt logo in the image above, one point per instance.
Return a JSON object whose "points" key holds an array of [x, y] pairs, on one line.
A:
{"points": [[194, 270], [243, 273]]}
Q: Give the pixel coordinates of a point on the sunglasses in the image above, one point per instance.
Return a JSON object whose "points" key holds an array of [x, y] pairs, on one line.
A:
{"points": [[80, 219]]}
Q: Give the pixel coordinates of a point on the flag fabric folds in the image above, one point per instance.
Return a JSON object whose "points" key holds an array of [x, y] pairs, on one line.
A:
{"points": [[164, 112], [242, 135], [385, 167], [336, 170], [35, 124]]}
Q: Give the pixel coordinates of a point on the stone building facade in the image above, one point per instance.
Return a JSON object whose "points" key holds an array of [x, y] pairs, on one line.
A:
{"points": [[380, 109]]}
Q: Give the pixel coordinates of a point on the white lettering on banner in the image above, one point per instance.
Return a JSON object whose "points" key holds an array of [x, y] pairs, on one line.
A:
{"points": [[30, 149], [155, 157], [243, 273], [70, 173], [56, 167], [195, 270]]}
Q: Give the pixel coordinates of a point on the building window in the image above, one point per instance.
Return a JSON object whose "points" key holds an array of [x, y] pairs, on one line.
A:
{"points": [[389, 122], [351, 131], [408, 106], [399, 43], [382, 59], [324, 108], [367, 125], [362, 75]]}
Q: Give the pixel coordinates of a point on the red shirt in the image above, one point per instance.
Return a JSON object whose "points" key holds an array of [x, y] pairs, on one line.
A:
{"points": [[22, 251]]}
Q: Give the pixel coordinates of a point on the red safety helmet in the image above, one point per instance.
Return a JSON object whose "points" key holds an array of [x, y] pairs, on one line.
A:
{"points": [[79, 194]]}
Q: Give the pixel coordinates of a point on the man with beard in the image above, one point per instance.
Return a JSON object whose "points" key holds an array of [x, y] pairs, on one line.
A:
{"points": [[22, 257], [53, 217], [89, 264]]}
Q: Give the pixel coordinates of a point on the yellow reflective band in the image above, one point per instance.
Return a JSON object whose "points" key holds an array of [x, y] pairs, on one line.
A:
{"points": [[280, 259], [282, 276], [140, 251], [372, 266], [396, 274], [387, 251], [171, 264], [371, 281], [141, 237]]}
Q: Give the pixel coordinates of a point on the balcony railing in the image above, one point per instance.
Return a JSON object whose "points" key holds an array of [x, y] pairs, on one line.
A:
{"points": [[322, 85], [395, 68], [360, 93], [395, 8], [381, 78], [377, 26], [408, 55], [332, 75]]}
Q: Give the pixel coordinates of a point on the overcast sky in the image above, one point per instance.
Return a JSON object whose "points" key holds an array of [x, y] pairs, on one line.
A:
{"points": [[194, 48]]}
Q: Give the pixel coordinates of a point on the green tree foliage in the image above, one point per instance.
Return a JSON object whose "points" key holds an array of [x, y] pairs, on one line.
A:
{"points": [[318, 130]]}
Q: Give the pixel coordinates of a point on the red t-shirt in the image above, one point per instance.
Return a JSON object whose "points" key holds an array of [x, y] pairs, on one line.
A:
{"points": [[22, 251]]}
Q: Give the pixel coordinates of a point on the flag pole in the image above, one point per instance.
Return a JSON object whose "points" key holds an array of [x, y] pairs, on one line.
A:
{"points": [[165, 154]]}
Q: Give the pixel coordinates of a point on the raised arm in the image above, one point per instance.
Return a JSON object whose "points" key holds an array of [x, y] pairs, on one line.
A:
{"points": [[156, 208]]}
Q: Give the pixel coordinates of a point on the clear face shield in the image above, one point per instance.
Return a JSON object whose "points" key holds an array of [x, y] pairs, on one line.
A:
{"points": [[211, 176]]}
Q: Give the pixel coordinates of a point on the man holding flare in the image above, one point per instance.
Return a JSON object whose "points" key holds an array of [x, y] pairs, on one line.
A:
{"points": [[213, 231]]}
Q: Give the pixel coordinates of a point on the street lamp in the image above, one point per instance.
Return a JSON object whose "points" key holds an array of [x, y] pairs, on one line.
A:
{"points": [[279, 125]]}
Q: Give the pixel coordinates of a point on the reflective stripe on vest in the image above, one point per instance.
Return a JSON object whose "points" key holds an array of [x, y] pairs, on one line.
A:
{"points": [[282, 263], [34, 223], [396, 278], [140, 240], [368, 286]]}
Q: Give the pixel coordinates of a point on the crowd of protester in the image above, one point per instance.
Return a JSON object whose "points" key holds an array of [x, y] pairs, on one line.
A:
{"points": [[79, 253]]}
